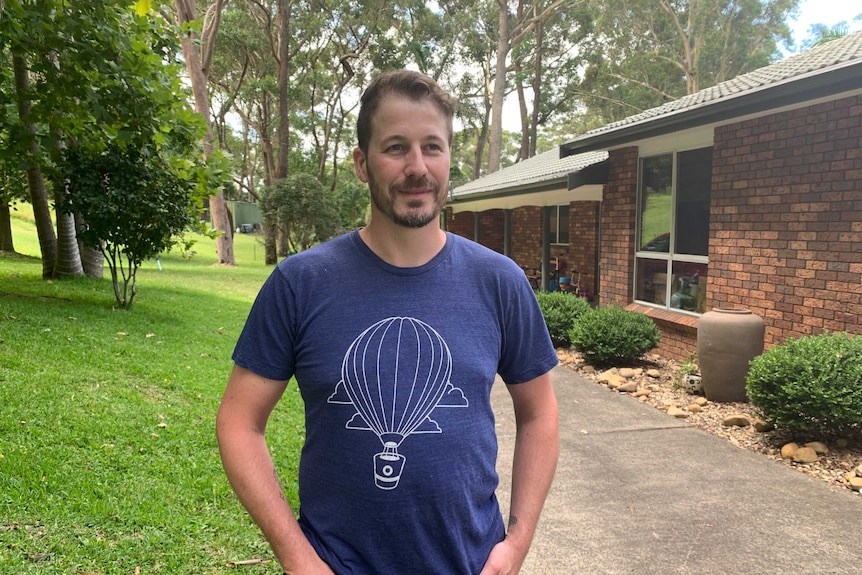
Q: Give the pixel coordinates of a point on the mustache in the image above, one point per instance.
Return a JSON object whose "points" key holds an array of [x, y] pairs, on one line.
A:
{"points": [[413, 183]]}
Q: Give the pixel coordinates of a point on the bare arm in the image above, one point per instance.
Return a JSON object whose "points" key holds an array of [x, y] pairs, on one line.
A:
{"points": [[537, 446], [240, 426]]}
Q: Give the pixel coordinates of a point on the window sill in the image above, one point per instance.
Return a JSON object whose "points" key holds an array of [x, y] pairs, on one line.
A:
{"points": [[665, 315]]}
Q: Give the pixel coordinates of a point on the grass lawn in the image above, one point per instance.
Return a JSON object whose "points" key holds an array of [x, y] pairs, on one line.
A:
{"points": [[108, 457]]}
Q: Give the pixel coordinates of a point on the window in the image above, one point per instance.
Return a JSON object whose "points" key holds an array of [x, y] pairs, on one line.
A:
{"points": [[559, 230], [673, 229]]}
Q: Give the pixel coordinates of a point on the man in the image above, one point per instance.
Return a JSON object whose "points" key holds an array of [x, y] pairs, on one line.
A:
{"points": [[397, 474]]}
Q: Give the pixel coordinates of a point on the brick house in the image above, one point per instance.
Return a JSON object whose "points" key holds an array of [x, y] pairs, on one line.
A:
{"points": [[747, 194]]}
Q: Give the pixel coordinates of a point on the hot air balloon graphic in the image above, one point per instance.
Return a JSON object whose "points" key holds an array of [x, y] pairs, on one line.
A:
{"points": [[395, 373]]}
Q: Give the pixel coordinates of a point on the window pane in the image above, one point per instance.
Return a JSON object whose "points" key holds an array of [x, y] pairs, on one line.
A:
{"points": [[656, 203], [563, 236], [694, 177], [688, 286], [651, 281]]}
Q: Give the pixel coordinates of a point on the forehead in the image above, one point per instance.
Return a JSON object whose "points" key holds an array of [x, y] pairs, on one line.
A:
{"points": [[399, 116]]}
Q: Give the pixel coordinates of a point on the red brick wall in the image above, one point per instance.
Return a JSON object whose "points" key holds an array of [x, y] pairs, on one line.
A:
{"points": [[461, 223], [527, 236], [618, 228], [581, 251], [786, 219], [492, 227]]}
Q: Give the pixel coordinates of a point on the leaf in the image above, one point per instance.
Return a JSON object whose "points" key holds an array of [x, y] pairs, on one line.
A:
{"points": [[142, 7]]}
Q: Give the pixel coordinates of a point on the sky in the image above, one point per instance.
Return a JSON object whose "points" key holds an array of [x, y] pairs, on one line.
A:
{"points": [[828, 12]]}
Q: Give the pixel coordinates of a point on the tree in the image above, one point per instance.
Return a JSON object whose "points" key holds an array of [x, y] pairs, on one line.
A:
{"points": [[133, 203], [510, 34], [303, 210], [198, 41], [645, 54]]}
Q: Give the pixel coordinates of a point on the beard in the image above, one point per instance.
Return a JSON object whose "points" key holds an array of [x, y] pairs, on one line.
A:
{"points": [[414, 216]]}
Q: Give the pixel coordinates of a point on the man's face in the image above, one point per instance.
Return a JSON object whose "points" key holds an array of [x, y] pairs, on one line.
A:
{"points": [[407, 164]]}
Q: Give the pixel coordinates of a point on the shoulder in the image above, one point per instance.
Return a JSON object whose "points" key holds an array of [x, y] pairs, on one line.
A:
{"points": [[481, 258], [328, 253]]}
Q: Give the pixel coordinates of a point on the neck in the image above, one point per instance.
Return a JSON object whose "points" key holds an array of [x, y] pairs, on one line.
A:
{"points": [[403, 247]]}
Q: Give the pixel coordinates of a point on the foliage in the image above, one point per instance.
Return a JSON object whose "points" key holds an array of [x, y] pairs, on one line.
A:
{"points": [[100, 76], [302, 210], [609, 334], [132, 205], [645, 54], [561, 311], [811, 384], [108, 460]]}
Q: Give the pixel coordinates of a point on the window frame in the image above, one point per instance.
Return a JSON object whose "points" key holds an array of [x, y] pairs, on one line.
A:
{"points": [[671, 260]]}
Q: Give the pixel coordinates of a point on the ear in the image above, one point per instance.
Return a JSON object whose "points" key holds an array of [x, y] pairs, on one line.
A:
{"points": [[359, 164]]}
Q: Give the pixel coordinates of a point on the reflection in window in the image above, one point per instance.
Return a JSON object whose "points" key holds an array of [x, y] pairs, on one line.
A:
{"points": [[673, 232], [559, 232], [656, 203]]}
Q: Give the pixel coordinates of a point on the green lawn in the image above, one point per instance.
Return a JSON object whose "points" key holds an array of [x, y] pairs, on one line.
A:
{"points": [[108, 458]]}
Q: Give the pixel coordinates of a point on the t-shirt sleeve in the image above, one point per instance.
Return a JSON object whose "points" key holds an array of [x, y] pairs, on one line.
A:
{"points": [[527, 349], [266, 343]]}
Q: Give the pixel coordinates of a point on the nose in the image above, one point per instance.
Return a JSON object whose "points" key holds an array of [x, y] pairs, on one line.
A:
{"points": [[414, 163]]}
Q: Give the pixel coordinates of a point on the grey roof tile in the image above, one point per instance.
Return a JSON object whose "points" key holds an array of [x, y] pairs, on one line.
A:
{"points": [[539, 169]]}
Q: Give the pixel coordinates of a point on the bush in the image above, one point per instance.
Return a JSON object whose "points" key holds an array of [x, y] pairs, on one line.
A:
{"points": [[561, 310], [811, 384], [613, 335]]}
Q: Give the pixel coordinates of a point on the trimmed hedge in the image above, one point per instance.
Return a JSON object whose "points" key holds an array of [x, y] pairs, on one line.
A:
{"points": [[612, 334], [561, 310], [812, 384]]}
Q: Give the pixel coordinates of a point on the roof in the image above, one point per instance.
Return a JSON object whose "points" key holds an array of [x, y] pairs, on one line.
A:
{"points": [[826, 70], [541, 170]]}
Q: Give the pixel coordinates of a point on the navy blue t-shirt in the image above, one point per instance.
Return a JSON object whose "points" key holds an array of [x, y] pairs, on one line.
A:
{"points": [[395, 367]]}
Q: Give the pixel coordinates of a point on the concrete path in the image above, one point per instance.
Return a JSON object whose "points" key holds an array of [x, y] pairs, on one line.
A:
{"points": [[638, 492]]}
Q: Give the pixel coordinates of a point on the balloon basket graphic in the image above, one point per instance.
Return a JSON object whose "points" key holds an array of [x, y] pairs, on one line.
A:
{"points": [[387, 467]]}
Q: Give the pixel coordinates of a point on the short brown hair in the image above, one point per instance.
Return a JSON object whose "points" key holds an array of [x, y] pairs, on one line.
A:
{"points": [[414, 85]]}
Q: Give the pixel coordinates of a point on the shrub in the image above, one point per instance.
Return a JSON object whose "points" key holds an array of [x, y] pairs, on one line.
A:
{"points": [[811, 384], [612, 334], [560, 311]]}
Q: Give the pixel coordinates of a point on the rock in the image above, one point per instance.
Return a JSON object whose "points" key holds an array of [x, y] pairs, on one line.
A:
{"points": [[589, 369], [858, 470], [694, 408], [606, 376], [643, 392], [855, 483], [818, 447], [674, 411], [788, 450], [805, 455], [653, 373], [701, 401], [762, 426], [627, 372], [735, 421], [628, 387], [614, 381]]}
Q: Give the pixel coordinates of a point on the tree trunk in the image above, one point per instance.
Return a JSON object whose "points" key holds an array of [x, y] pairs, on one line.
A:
{"points": [[537, 88], [35, 178], [6, 243], [197, 62], [92, 260], [283, 77], [495, 141], [68, 262]]}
